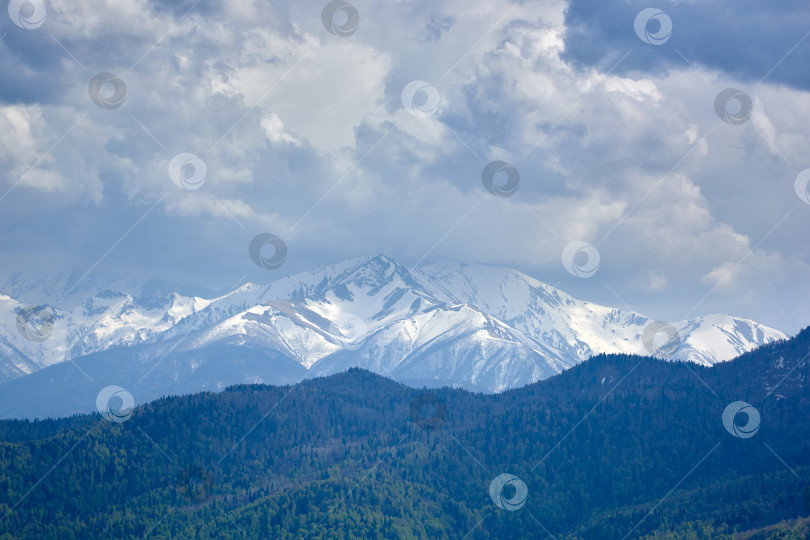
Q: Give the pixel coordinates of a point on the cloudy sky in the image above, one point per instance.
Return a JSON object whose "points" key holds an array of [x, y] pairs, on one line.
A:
{"points": [[156, 139]]}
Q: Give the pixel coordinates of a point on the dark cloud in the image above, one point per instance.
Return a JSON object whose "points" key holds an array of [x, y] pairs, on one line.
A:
{"points": [[745, 39]]}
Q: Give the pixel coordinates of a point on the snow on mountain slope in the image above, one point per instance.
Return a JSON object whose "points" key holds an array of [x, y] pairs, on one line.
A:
{"points": [[106, 320], [716, 338], [478, 327], [570, 329], [575, 329], [456, 346]]}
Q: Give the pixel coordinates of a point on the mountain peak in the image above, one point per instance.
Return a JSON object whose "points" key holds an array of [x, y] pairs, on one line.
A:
{"points": [[473, 326]]}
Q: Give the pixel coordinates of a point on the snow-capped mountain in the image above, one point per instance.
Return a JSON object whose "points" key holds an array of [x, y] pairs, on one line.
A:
{"points": [[478, 327]]}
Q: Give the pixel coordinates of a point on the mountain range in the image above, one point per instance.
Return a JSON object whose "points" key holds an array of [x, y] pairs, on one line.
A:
{"points": [[617, 447], [476, 327]]}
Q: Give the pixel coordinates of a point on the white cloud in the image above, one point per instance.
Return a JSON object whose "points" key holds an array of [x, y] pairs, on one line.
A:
{"points": [[304, 133]]}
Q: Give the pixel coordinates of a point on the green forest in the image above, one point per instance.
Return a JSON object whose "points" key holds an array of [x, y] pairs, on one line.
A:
{"points": [[617, 447]]}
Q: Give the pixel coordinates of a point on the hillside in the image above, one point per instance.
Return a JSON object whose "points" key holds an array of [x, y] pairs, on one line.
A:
{"points": [[617, 447]]}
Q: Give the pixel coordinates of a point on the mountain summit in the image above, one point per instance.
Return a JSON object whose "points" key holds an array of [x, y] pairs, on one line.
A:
{"points": [[471, 326]]}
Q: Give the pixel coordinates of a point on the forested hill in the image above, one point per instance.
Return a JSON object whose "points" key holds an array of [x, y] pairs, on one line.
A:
{"points": [[617, 447]]}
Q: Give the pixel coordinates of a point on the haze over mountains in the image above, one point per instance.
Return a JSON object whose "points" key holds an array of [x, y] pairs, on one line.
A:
{"points": [[475, 327]]}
